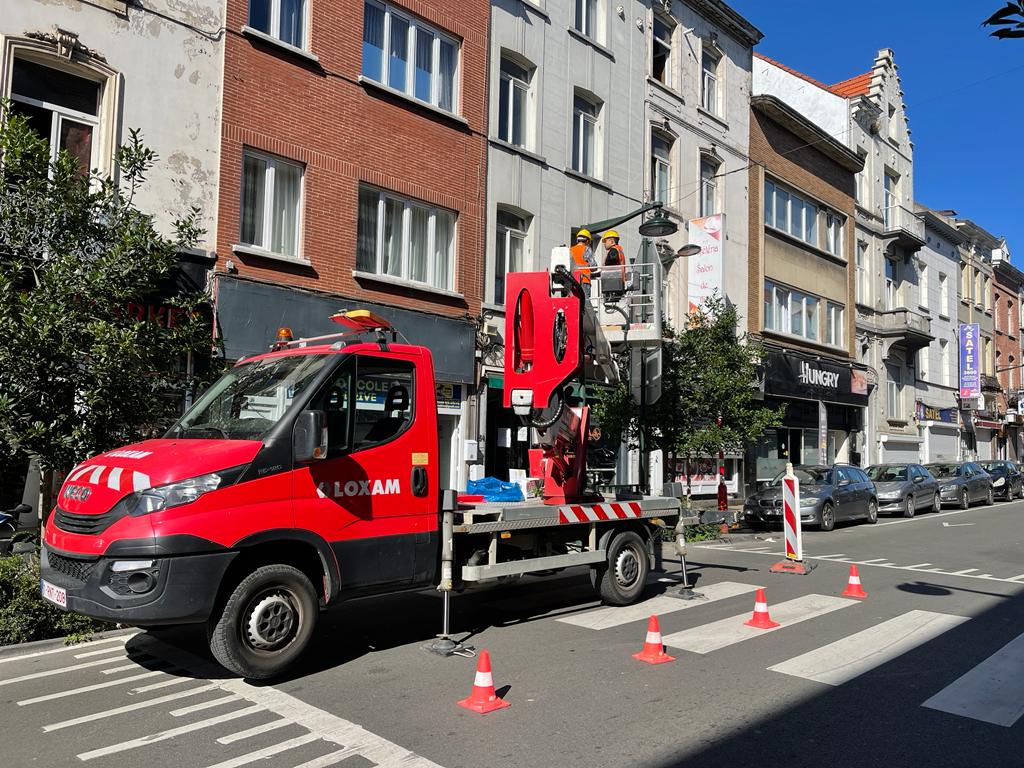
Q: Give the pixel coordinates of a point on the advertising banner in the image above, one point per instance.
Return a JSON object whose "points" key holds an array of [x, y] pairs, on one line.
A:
{"points": [[789, 375], [822, 433], [970, 372], [704, 273]]}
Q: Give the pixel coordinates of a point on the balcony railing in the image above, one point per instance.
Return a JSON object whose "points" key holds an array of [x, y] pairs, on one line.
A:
{"points": [[627, 303], [903, 227], [905, 329]]}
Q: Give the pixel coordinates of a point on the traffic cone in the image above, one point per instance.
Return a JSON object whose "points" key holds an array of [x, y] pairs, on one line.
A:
{"points": [[853, 587], [761, 619], [654, 649], [482, 698]]}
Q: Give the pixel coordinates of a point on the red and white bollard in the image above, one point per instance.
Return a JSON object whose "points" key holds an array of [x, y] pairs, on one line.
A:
{"points": [[794, 562]]}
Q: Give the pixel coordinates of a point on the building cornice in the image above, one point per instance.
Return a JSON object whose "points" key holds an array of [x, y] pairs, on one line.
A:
{"points": [[783, 114], [721, 14], [940, 225]]}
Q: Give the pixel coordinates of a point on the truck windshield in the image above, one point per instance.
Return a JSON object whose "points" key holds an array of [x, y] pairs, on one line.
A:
{"points": [[247, 401]]}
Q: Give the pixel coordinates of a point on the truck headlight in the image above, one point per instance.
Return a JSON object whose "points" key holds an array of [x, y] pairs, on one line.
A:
{"points": [[180, 492]]}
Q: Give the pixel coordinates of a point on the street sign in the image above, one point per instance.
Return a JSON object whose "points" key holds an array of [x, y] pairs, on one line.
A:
{"points": [[645, 371]]}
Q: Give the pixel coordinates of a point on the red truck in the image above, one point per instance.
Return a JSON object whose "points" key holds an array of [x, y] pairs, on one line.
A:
{"points": [[286, 489]]}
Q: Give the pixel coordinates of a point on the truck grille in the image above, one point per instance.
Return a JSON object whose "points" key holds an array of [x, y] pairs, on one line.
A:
{"points": [[86, 524], [70, 567]]}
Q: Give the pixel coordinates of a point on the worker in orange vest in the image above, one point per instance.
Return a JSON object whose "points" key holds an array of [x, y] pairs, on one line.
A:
{"points": [[614, 256], [583, 260]]}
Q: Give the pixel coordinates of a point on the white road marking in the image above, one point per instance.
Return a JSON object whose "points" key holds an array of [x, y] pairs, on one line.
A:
{"points": [[61, 671], [122, 668], [992, 692], [934, 516], [719, 634], [100, 652], [152, 738], [1016, 578], [158, 686], [328, 760], [204, 705], [128, 708], [263, 754], [965, 570], [917, 565], [273, 725], [845, 659], [955, 525], [603, 618], [66, 648], [876, 560], [827, 557], [87, 688]]}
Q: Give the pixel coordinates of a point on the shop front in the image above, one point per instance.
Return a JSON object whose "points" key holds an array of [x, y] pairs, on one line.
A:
{"points": [[939, 430], [823, 422], [248, 314]]}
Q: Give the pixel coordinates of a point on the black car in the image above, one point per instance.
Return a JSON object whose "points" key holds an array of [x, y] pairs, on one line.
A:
{"points": [[962, 482], [827, 494], [1007, 480]]}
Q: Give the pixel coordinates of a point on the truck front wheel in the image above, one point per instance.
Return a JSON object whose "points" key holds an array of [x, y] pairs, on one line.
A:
{"points": [[621, 580], [266, 622]]}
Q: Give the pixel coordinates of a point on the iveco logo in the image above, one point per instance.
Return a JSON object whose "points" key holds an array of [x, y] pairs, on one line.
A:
{"points": [[76, 492]]}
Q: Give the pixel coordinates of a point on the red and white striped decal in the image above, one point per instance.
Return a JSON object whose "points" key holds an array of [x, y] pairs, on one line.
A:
{"points": [[590, 513], [791, 517], [116, 479]]}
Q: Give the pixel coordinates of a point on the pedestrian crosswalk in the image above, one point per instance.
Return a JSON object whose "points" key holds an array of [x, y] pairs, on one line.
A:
{"points": [[991, 692]]}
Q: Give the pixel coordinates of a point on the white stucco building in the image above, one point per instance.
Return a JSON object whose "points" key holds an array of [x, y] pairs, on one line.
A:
{"points": [[86, 73]]}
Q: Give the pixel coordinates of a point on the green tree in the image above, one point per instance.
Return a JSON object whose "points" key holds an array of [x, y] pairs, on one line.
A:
{"points": [[707, 400], [1008, 21], [78, 375]]}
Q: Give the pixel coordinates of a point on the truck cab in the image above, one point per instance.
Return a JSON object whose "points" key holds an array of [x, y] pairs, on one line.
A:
{"points": [[302, 474]]}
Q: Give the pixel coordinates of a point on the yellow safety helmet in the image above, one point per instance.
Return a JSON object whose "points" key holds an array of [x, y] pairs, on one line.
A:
{"points": [[583, 233], [610, 233]]}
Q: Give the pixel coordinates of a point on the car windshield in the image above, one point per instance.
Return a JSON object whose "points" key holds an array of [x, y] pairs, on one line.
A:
{"points": [[247, 401], [944, 470], [994, 466], [887, 473], [806, 476]]}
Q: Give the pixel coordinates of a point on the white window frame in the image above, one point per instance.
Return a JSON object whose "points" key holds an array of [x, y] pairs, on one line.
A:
{"points": [[892, 285], [834, 328], [924, 364], [781, 308], [580, 120], [407, 207], [275, 23], [834, 234], [944, 362], [585, 17], [508, 85], [267, 235], [797, 223], [709, 192], [860, 278], [508, 235], [414, 26], [710, 78], [661, 164], [667, 46], [944, 294], [894, 394], [861, 186], [890, 199], [922, 284]]}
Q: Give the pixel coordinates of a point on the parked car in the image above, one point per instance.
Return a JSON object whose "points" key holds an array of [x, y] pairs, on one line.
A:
{"points": [[1007, 480], [827, 494], [905, 488], [962, 482]]}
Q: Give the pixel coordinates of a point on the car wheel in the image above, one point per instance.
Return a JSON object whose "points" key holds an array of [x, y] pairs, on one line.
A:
{"points": [[872, 512], [964, 501], [909, 508], [828, 517], [937, 502], [990, 497], [266, 623], [1020, 490], [621, 580]]}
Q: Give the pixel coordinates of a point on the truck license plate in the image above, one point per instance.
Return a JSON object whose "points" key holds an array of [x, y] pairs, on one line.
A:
{"points": [[54, 594]]}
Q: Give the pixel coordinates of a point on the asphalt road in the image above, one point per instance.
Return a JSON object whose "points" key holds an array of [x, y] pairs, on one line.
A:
{"points": [[927, 671]]}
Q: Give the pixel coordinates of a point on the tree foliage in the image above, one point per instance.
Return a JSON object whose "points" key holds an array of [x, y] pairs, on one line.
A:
{"points": [[78, 375], [1008, 21], [707, 373]]}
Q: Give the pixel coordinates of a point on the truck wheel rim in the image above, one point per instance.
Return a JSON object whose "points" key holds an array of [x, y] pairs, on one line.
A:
{"points": [[271, 621], [627, 567]]}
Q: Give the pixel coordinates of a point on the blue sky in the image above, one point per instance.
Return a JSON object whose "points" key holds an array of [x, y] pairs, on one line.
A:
{"points": [[964, 91]]}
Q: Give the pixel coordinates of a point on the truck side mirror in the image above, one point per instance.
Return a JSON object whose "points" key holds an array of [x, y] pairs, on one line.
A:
{"points": [[309, 436]]}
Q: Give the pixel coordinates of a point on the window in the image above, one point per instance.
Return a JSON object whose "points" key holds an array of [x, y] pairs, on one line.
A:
{"points": [[833, 324], [584, 136], [790, 311], [890, 200], [986, 292], [834, 234], [944, 295], [408, 55], [509, 250], [893, 134], [710, 62], [986, 364], [271, 203], [708, 186], [965, 282], [661, 167], [661, 50], [861, 190], [894, 393], [384, 397], [922, 284], [790, 213], [892, 289], [923, 364], [946, 373], [283, 19], [977, 287], [586, 17], [61, 107], [860, 284], [513, 103], [405, 239]]}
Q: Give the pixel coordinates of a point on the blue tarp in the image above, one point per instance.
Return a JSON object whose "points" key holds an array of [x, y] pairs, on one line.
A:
{"points": [[493, 489]]}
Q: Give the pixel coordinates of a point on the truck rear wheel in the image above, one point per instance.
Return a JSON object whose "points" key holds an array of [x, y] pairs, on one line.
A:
{"points": [[266, 623], [621, 580]]}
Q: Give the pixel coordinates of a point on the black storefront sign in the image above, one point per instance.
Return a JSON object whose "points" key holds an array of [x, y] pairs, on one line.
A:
{"points": [[790, 375]]}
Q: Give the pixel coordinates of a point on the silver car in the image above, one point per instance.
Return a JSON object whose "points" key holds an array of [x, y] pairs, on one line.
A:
{"points": [[827, 494], [905, 488], [962, 483]]}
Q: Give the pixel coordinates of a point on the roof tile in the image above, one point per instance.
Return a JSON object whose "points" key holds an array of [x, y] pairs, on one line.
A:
{"points": [[858, 85]]}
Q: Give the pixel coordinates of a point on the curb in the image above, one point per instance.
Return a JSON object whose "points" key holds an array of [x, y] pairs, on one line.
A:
{"points": [[59, 642]]}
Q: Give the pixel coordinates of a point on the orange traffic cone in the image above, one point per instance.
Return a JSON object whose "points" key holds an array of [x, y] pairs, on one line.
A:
{"points": [[761, 619], [654, 649], [853, 587], [482, 698]]}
